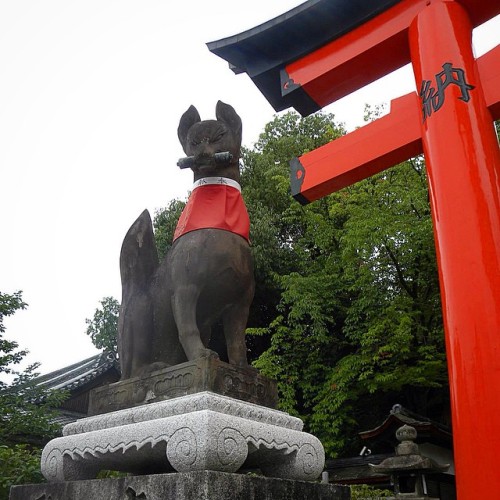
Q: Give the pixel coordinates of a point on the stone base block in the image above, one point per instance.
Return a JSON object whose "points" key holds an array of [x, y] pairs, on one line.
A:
{"points": [[204, 431], [204, 374], [201, 485]]}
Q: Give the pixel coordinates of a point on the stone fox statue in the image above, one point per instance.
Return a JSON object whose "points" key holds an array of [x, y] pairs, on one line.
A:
{"points": [[168, 308]]}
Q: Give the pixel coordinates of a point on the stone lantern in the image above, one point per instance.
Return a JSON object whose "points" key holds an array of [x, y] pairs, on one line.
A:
{"points": [[408, 468]]}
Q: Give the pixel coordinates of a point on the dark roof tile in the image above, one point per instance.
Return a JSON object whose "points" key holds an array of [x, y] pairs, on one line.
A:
{"points": [[78, 374]]}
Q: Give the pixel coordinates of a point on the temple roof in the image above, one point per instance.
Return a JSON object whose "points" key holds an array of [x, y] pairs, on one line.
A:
{"points": [[428, 430], [262, 51], [76, 375], [352, 470]]}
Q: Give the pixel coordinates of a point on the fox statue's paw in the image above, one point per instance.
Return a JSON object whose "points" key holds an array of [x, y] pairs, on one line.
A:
{"points": [[207, 354], [153, 367]]}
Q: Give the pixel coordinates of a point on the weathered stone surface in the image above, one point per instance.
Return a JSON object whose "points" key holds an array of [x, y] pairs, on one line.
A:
{"points": [[202, 485], [204, 431], [182, 406], [407, 468], [169, 309], [204, 374]]}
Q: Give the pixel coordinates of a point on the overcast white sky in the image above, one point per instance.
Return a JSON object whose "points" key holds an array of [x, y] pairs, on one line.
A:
{"points": [[91, 93]]}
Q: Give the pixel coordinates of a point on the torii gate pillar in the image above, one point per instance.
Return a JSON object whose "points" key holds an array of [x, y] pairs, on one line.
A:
{"points": [[463, 165]]}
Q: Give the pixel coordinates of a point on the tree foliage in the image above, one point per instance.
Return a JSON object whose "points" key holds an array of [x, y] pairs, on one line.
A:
{"points": [[103, 327], [19, 464], [366, 492], [9, 355], [347, 289], [277, 221], [23, 405], [26, 409], [164, 224]]}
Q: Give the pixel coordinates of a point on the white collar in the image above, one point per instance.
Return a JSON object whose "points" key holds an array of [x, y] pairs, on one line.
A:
{"points": [[217, 180]]}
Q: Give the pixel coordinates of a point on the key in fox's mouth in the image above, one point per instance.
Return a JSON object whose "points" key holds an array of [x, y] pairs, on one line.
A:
{"points": [[216, 159]]}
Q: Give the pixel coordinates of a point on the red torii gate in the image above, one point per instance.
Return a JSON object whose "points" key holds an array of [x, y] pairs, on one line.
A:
{"points": [[450, 120]]}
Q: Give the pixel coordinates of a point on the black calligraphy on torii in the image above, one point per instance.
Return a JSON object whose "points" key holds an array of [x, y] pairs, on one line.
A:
{"points": [[433, 99]]}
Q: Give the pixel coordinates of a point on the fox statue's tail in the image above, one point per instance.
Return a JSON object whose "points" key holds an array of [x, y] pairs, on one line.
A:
{"points": [[138, 264]]}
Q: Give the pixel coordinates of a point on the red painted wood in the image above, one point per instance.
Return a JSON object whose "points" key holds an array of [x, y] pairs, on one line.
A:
{"points": [[364, 152], [489, 70], [383, 143], [369, 52], [463, 163]]}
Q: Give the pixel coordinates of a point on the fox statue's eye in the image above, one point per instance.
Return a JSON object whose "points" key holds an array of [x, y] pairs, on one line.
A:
{"points": [[218, 137]]}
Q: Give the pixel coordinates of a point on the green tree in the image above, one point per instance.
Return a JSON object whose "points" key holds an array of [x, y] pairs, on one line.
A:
{"points": [[103, 327], [277, 221], [365, 492], [164, 224], [347, 289], [26, 410], [19, 464], [9, 304]]}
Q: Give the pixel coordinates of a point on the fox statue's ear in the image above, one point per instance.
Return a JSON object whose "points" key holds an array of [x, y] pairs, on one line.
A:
{"points": [[226, 113], [188, 119]]}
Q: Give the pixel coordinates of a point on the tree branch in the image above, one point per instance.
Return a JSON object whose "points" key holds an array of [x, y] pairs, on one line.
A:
{"points": [[399, 271]]}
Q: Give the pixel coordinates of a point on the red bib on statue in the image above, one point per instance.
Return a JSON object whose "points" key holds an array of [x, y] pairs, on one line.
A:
{"points": [[216, 203]]}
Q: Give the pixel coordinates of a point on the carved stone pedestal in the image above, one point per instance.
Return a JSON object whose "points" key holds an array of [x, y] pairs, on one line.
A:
{"points": [[204, 431], [204, 374], [201, 485]]}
